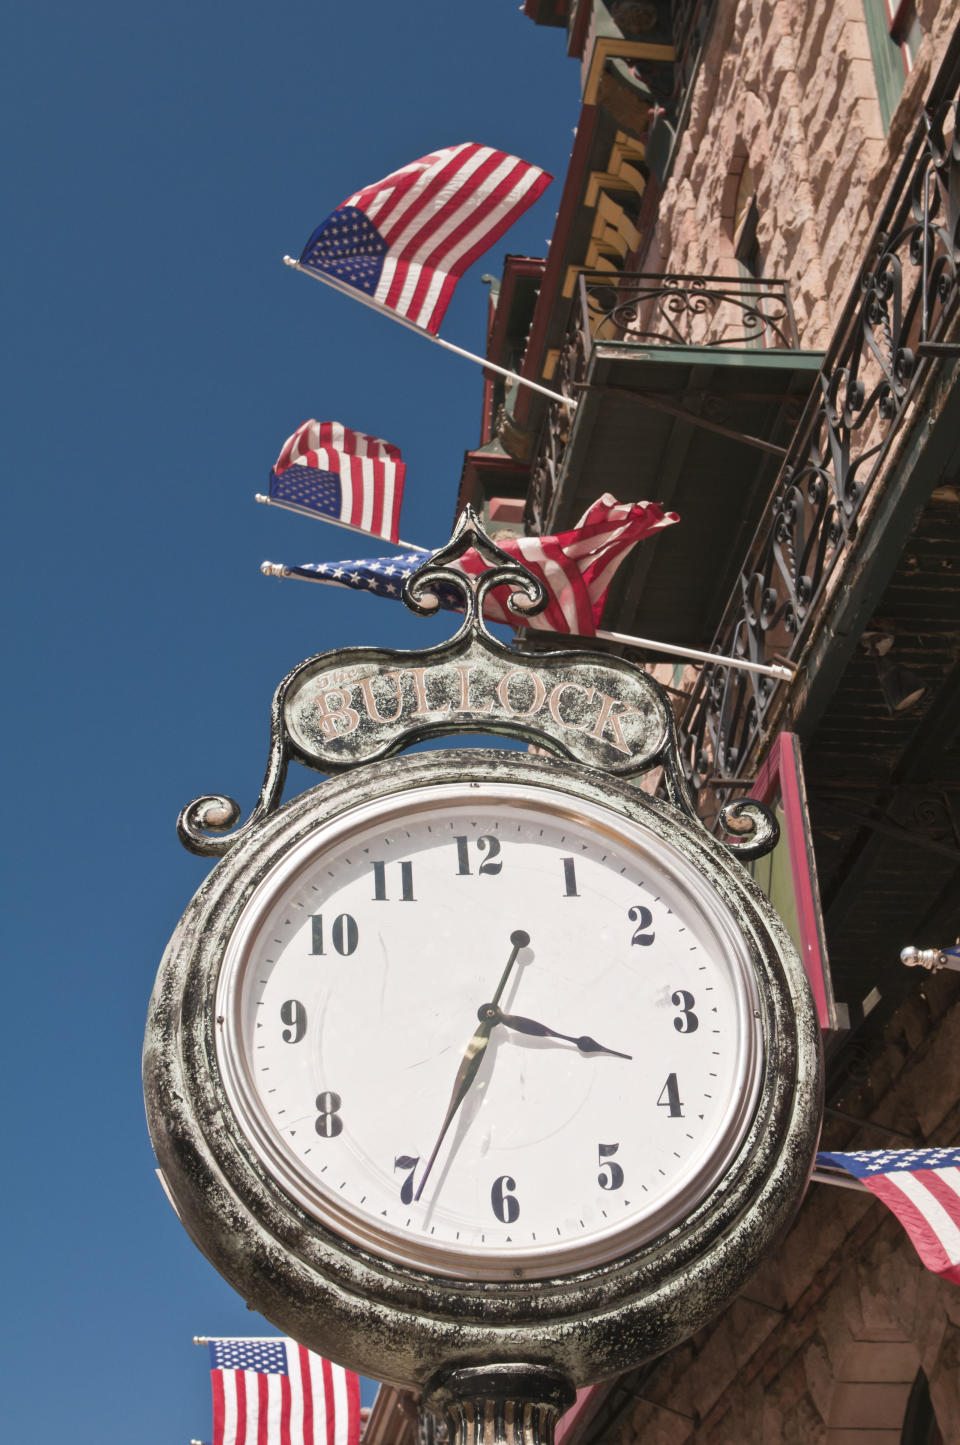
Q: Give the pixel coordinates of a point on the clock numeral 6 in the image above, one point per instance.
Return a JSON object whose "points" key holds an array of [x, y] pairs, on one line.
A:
{"points": [[487, 843], [687, 1023], [328, 1122], [643, 918], [506, 1206], [409, 1162], [344, 934], [293, 1013], [611, 1175]]}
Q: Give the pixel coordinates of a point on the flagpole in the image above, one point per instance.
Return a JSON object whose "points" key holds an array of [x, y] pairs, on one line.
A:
{"points": [[820, 1176], [365, 300], [766, 669], [336, 522], [773, 669]]}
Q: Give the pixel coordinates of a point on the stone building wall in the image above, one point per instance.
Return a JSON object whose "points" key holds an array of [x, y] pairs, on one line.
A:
{"points": [[824, 1344], [787, 94]]}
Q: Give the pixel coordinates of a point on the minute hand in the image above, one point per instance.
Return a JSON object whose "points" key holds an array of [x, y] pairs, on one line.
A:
{"points": [[584, 1043]]}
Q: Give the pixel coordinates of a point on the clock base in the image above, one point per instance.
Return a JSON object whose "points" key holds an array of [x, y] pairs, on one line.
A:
{"points": [[500, 1404]]}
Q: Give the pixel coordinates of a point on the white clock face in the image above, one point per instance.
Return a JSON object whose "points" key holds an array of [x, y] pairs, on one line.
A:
{"points": [[490, 1030]]}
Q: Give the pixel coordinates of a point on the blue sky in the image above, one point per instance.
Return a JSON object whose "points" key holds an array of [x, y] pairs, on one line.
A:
{"points": [[164, 157]]}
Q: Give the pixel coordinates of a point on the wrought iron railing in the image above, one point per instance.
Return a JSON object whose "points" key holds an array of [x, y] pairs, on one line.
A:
{"points": [[648, 310], [882, 350]]}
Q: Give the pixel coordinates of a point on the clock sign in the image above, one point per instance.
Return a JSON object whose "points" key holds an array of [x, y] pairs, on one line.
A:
{"points": [[477, 1056]]}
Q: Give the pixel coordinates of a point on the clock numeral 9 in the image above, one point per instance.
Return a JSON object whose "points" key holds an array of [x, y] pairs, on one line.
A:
{"points": [[293, 1013], [328, 1123], [410, 1162], [344, 934], [611, 1175], [687, 1023], [643, 918], [487, 843], [506, 1206]]}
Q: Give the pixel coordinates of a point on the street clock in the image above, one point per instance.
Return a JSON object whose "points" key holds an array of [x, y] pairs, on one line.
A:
{"points": [[477, 1059]]}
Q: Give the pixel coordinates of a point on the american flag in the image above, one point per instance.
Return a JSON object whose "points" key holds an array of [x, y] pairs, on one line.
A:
{"points": [[274, 1392], [922, 1187], [347, 476], [406, 240], [577, 566]]}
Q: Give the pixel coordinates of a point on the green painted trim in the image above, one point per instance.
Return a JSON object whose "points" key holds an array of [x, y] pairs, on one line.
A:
{"points": [[887, 58], [720, 356]]}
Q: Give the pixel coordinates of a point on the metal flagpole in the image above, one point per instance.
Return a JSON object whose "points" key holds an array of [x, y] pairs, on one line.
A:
{"points": [[820, 1176], [766, 669], [360, 296], [772, 669], [336, 522]]}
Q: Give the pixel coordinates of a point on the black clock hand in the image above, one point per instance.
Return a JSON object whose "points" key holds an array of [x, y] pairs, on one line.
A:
{"points": [[473, 1054], [584, 1043]]}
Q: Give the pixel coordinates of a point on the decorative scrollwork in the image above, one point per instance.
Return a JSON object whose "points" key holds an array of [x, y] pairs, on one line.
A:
{"points": [[905, 297], [753, 828], [423, 590]]}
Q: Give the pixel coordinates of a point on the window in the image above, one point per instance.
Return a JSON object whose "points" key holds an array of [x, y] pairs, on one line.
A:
{"points": [[895, 37]]}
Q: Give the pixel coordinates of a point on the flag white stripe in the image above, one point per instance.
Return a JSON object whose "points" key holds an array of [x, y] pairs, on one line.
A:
{"points": [[398, 228], [932, 1210], [274, 1405], [315, 1366], [251, 1391], [400, 235], [386, 279], [229, 1408], [482, 229], [367, 485], [296, 1393], [384, 190], [340, 1405]]}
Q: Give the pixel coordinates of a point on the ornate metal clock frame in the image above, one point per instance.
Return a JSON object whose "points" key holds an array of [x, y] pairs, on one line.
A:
{"points": [[500, 1357]]}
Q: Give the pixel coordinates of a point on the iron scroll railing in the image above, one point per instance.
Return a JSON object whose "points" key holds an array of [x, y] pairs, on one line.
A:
{"points": [[881, 352], [651, 311]]}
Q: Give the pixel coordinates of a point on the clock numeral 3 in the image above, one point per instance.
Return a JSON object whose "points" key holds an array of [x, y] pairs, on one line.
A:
{"points": [[611, 1175], [487, 843], [643, 918], [506, 1206], [293, 1013], [672, 1100], [687, 1023], [328, 1122], [344, 934], [380, 894], [410, 1162]]}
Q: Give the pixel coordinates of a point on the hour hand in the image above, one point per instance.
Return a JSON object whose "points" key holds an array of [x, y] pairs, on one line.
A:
{"points": [[584, 1043]]}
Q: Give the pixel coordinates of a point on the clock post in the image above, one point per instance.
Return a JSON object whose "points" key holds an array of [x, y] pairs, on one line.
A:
{"points": [[482, 1072]]}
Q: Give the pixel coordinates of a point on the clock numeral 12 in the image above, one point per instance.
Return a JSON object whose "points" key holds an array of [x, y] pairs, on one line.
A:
{"points": [[487, 842], [344, 934], [380, 883], [506, 1206]]}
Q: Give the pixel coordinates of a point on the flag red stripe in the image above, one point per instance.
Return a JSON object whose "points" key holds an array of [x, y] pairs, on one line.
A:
{"points": [[285, 1411], [925, 1242], [460, 205], [219, 1407], [330, 1403], [353, 1407], [241, 1392], [442, 181], [309, 1438], [263, 1410]]}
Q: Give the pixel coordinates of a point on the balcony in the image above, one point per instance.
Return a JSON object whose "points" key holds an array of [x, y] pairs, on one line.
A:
{"points": [[689, 389]]}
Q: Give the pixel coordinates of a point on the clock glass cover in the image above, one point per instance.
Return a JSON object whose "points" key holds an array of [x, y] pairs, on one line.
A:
{"points": [[490, 1030]]}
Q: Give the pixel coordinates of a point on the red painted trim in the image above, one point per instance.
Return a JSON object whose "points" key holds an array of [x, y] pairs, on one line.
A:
{"points": [[580, 1412], [783, 772], [556, 260]]}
